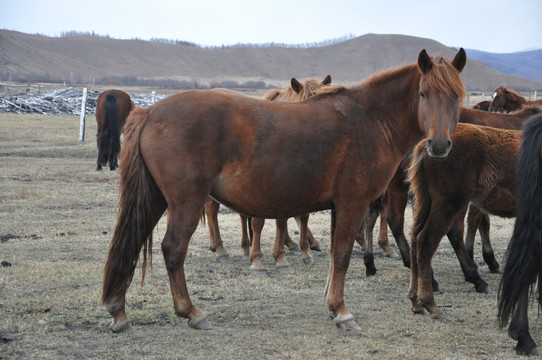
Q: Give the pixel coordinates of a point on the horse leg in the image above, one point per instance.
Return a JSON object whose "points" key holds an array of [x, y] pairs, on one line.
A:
{"points": [[257, 267], [304, 238], [519, 326], [115, 302], [283, 267], [487, 250], [416, 307], [383, 241], [344, 224], [424, 246], [245, 241], [99, 141], [469, 268], [211, 210], [289, 243], [473, 222], [368, 257], [395, 216], [181, 225], [314, 244]]}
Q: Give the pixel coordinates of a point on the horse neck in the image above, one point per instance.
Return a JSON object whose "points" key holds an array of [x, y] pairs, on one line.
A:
{"points": [[515, 103], [394, 98]]}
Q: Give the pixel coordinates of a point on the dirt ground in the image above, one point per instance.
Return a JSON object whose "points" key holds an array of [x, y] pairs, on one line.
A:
{"points": [[57, 216]]}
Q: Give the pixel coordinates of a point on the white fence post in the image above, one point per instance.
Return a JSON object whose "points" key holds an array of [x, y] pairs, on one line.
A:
{"points": [[153, 96], [83, 114], [534, 96]]}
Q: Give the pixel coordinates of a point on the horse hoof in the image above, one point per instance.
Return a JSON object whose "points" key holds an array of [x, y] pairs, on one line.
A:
{"points": [[393, 255], [438, 316], [223, 258], [316, 248], [308, 260], [348, 325], [496, 271], [484, 290], [285, 270], [246, 257], [418, 310], [295, 248], [259, 273], [202, 325], [120, 326]]}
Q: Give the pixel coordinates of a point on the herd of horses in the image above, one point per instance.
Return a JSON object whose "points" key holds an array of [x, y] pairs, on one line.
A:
{"points": [[360, 151]]}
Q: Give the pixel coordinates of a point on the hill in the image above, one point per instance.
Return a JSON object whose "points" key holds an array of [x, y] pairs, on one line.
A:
{"points": [[525, 64], [94, 59]]}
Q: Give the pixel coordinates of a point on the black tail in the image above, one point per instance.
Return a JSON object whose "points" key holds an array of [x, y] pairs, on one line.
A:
{"points": [[524, 253], [112, 125]]}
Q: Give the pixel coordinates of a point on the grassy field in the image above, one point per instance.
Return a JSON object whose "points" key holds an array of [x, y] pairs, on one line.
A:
{"points": [[57, 215]]}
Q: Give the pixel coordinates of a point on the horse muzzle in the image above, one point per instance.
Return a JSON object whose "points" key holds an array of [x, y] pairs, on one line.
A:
{"points": [[438, 150]]}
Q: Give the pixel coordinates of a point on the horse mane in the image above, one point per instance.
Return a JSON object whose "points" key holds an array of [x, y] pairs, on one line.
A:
{"points": [[511, 95], [442, 77], [310, 88], [271, 94]]}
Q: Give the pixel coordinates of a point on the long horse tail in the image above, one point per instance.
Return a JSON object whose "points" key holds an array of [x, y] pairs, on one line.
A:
{"points": [[112, 124], [419, 188], [523, 256], [141, 206]]}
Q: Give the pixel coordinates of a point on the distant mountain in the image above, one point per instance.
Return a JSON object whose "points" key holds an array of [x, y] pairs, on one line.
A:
{"points": [[525, 64], [94, 59]]}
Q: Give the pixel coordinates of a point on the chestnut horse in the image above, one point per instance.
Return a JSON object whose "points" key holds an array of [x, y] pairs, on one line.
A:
{"points": [[480, 169], [296, 92], [396, 197], [482, 105], [507, 100], [523, 257], [336, 150], [112, 109]]}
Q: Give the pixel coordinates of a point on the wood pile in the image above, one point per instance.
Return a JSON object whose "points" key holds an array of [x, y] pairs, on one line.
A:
{"points": [[62, 101]]}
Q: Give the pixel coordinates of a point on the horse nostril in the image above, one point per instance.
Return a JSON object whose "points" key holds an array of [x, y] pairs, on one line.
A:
{"points": [[429, 144]]}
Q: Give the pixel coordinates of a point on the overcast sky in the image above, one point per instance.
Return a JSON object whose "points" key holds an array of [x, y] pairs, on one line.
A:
{"points": [[494, 26]]}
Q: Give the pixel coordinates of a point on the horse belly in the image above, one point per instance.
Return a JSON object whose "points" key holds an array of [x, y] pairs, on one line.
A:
{"points": [[270, 195]]}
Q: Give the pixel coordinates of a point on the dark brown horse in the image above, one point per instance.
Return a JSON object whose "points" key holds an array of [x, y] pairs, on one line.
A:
{"points": [[112, 109], [397, 194], [480, 169], [524, 255], [482, 105], [507, 100], [296, 92], [336, 150]]}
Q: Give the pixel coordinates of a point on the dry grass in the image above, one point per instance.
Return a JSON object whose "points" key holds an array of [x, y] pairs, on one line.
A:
{"points": [[59, 214]]}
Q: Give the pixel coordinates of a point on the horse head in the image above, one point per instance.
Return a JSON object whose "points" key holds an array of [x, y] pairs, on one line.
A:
{"points": [[441, 93], [499, 99]]}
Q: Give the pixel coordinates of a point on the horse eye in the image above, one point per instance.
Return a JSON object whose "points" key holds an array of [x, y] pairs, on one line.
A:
{"points": [[422, 94]]}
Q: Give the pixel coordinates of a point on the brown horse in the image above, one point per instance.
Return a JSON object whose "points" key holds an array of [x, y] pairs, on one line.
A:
{"points": [[507, 100], [336, 150], [480, 169], [482, 105], [396, 197], [296, 92], [112, 109], [523, 257]]}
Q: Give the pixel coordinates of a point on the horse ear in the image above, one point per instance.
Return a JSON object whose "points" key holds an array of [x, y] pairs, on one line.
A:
{"points": [[327, 80], [296, 85], [460, 60], [424, 62]]}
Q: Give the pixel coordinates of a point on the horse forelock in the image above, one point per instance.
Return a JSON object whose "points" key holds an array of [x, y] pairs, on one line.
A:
{"points": [[444, 77]]}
